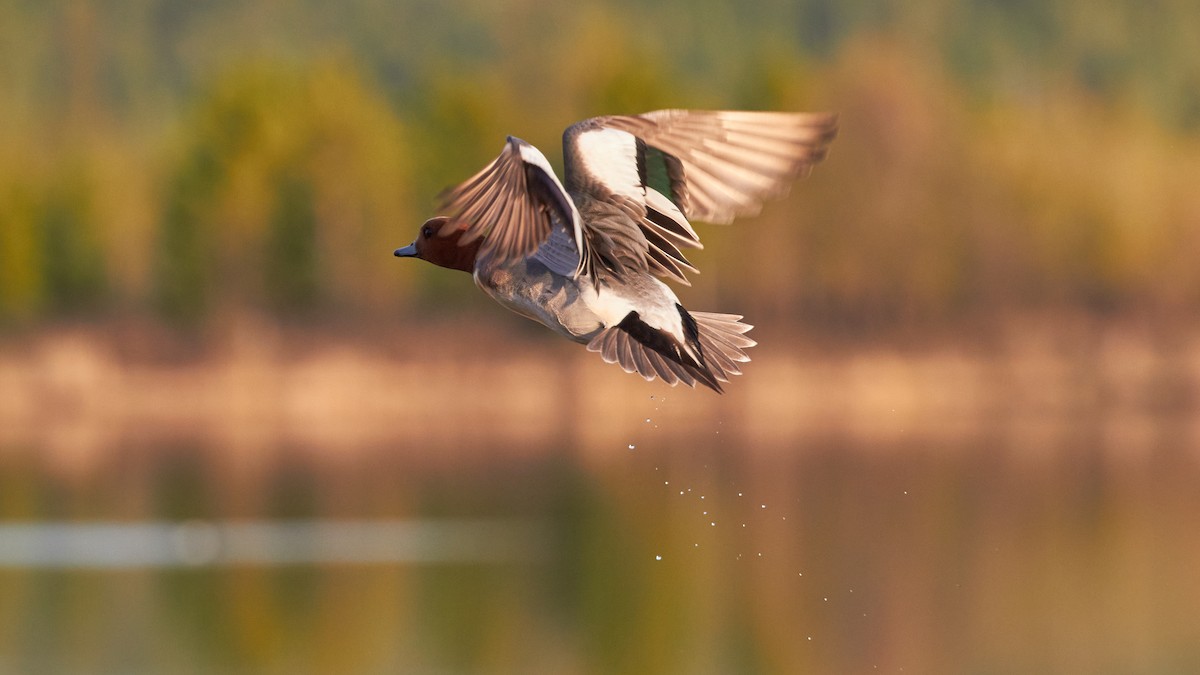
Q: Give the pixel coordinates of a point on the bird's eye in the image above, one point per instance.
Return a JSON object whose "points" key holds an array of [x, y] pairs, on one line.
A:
{"points": [[427, 232]]}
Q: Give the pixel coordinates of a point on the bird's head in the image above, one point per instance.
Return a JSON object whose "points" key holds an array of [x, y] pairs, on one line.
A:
{"points": [[438, 242]]}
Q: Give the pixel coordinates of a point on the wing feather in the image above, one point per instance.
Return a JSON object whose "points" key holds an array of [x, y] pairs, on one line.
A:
{"points": [[717, 165], [760, 153], [515, 203]]}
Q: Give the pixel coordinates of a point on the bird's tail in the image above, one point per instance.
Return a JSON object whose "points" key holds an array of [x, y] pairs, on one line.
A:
{"points": [[710, 356], [722, 341]]}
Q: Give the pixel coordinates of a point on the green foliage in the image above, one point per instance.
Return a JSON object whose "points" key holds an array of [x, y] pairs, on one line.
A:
{"points": [[20, 256], [287, 180], [51, 254], [185, 245], [292, 277], [192, 161], [73, 260]]}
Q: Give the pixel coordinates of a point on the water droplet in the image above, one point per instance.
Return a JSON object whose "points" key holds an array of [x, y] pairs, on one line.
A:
{"points": [[658, 557], [647, 420], [632, 446], [713, 524], [764, 506]]}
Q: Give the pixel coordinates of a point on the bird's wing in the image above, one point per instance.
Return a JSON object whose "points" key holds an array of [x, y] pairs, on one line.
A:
{"points": [[638, 179], [520, 209]]}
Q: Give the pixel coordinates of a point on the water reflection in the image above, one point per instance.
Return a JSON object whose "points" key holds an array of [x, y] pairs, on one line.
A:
{"points": [[135, 545], [676, 556]]}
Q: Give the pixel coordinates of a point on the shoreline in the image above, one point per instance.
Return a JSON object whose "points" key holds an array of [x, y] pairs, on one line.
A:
{"points": [[437, 392]]}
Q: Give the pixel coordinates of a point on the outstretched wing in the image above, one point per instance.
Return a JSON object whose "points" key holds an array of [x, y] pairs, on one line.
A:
{"points": [[638, 179], [515, 204]]}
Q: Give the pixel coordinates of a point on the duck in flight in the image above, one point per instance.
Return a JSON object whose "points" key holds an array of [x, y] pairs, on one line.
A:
{"points": [[586, 256]]}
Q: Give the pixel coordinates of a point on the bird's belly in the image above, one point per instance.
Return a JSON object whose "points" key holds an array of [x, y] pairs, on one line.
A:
{"points": [[535, 292]]}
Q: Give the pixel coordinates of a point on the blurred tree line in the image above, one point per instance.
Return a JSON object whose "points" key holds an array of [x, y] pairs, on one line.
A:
{"points": [[182, 160]]}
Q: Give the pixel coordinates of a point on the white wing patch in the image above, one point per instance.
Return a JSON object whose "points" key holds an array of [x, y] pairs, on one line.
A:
{"points": [[610, 156]]}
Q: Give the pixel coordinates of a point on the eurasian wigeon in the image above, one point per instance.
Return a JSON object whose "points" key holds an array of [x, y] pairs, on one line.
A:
{"points": [[585, 258]]}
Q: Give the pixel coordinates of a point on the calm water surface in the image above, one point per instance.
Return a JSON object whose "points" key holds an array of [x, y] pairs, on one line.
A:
{"points": [[1066, 551]]}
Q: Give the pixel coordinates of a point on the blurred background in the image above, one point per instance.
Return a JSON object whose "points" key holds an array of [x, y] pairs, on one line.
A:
{"points": [[237, 435]]}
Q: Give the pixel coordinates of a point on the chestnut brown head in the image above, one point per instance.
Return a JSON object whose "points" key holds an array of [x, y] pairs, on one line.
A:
{"points": [[438, 243]]}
